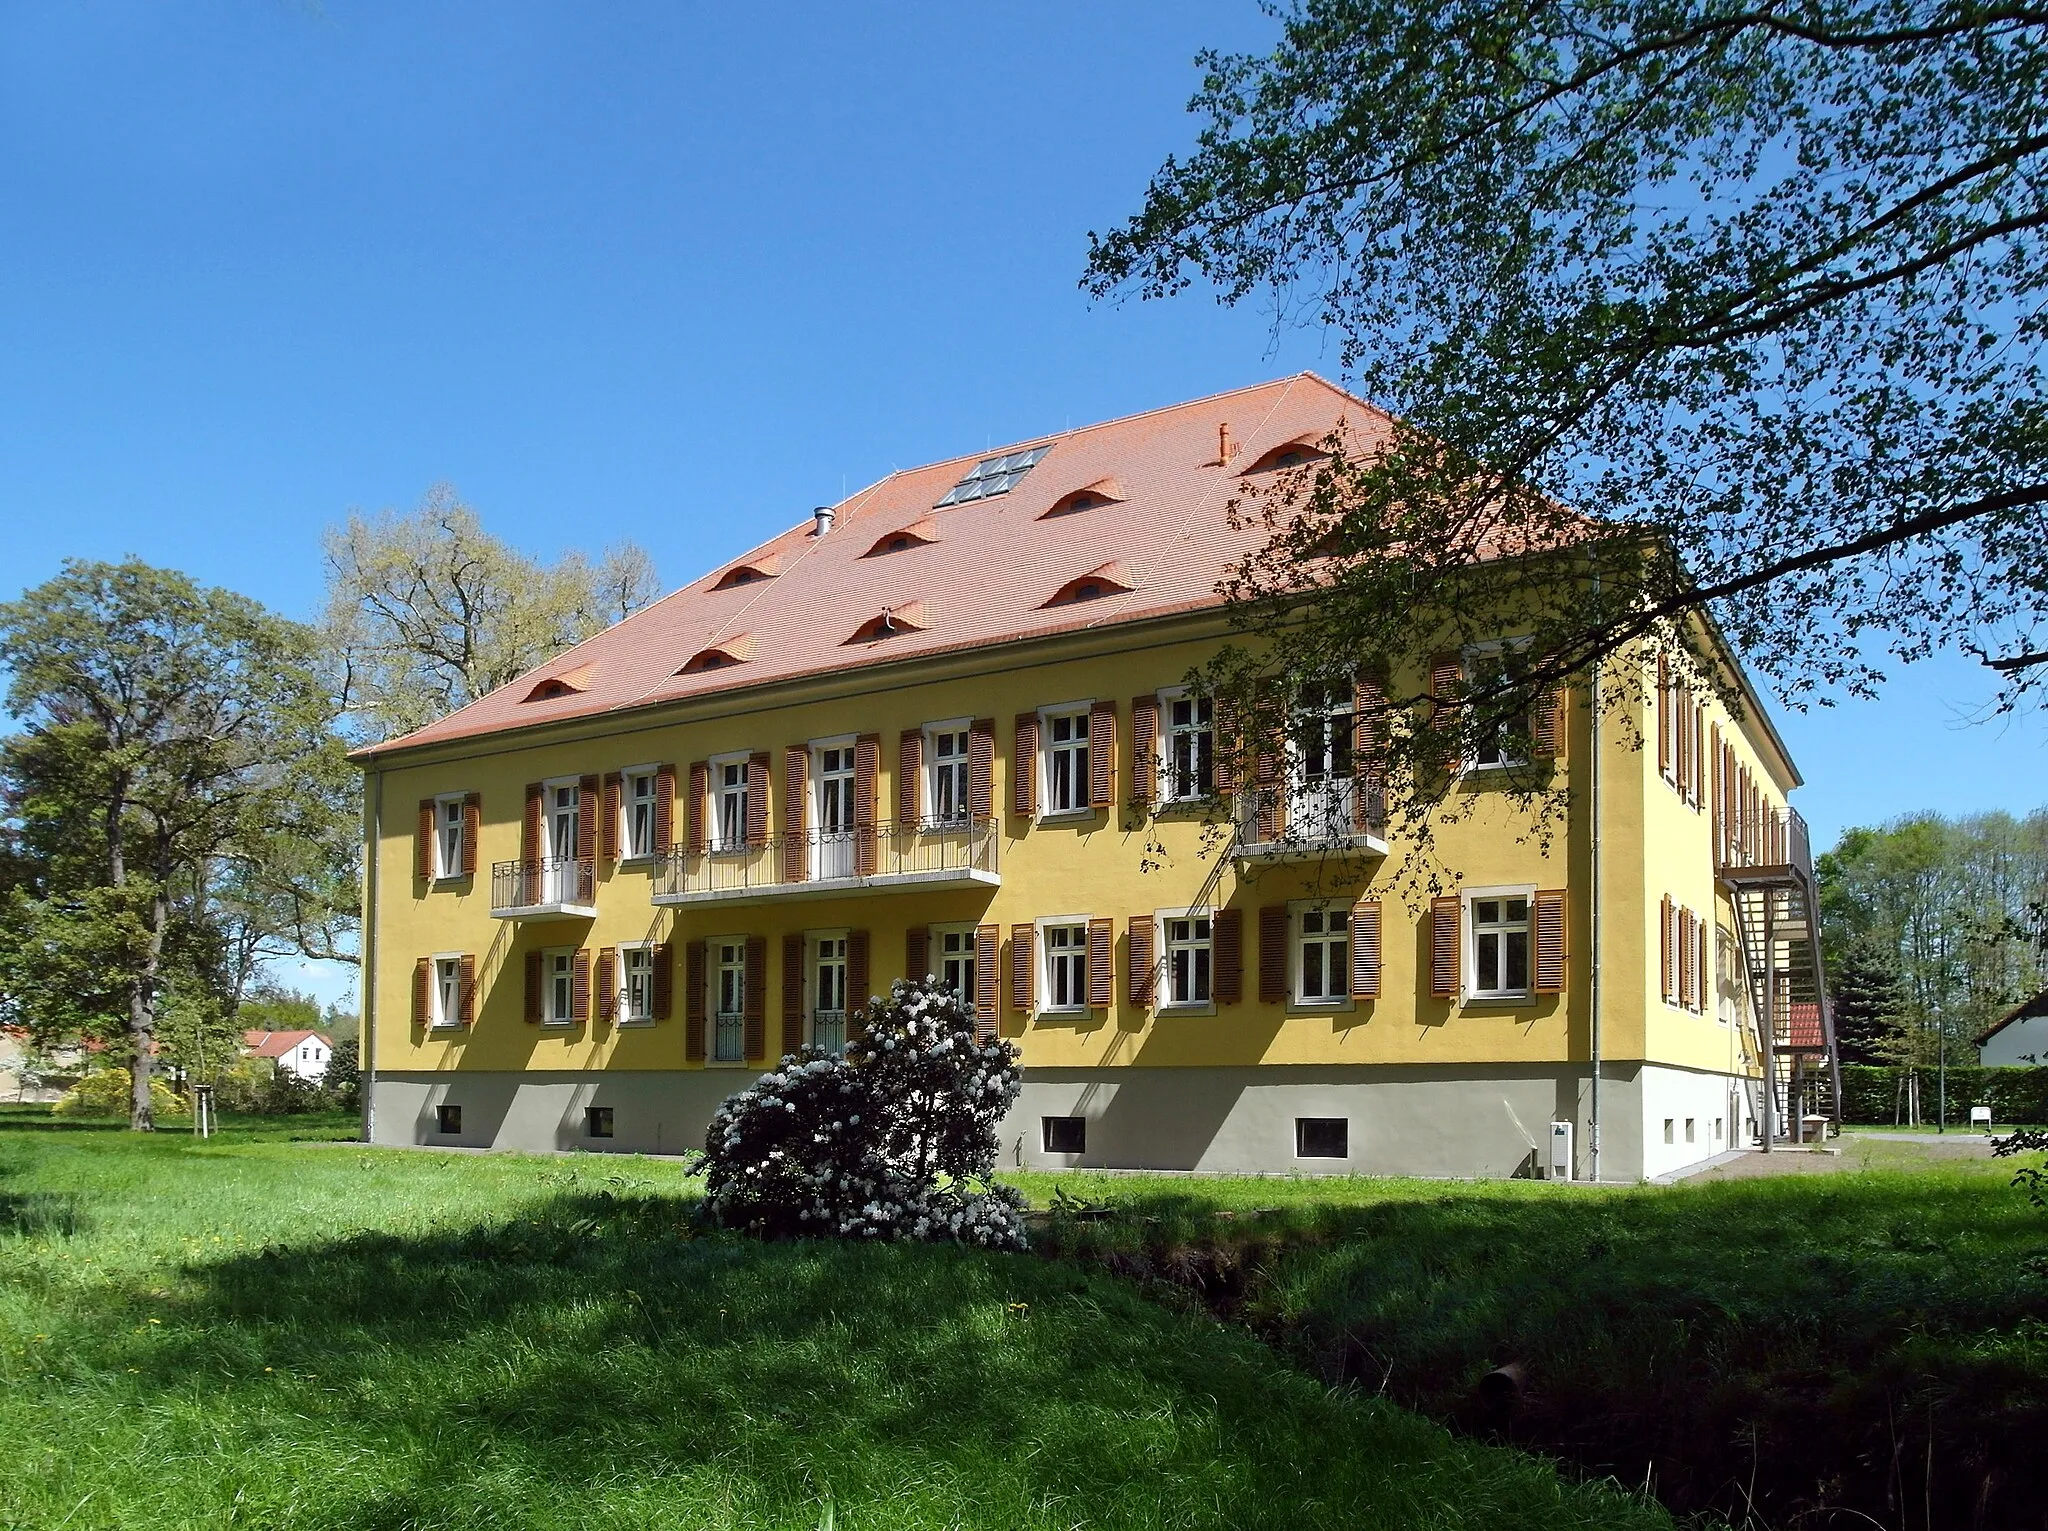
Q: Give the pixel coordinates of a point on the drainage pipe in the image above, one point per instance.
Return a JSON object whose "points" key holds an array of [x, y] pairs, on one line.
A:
{"points": [[1593, 913], [366, 1034]]}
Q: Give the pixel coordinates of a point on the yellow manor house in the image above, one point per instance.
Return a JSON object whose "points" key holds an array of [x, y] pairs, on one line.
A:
{"points": [[942, 729]]}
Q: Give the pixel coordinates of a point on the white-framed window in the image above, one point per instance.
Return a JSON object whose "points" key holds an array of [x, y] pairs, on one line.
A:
{"points": [[945, 773], [1497, 950], [636, 983], [636, 812], [1188, 761], [832, 778], [954, 946], [1322, 954], [1501, 742], [728, 999], [1319, 798], [449, 834], [558, 986], [564, 813], [1065, 751], [730, 791], [447, 989], [1189, 957], [1063, 945], [828, 990]]}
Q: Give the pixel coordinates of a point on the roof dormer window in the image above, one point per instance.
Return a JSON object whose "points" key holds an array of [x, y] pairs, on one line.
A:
{"points": [[751, 572], [1111, 579], [891, 622], [567, 683], [920, 533], [1104, 491], [721, 655], [1298, 453]]}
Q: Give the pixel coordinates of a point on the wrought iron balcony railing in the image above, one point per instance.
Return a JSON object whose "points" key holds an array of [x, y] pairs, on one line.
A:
{"points": [[1347, 813], [1747, 837], [887, 855], [542, 887]]}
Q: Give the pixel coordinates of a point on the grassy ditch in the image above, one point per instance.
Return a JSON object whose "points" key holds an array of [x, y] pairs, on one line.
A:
{"points": [[256, 1332], [1815, 1350]]}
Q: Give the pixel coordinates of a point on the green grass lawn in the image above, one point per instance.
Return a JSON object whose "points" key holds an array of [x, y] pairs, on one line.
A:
{"points": [[1778, 1344], [267, 1333]]}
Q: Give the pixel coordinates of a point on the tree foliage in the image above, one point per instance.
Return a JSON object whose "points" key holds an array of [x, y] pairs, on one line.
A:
{"points": [[1683, 305], [426, 612], [895, 1140], [168, 736], [1955, 907], [1872, 1013]]}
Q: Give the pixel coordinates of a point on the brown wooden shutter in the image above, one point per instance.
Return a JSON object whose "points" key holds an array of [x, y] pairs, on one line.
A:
{"points": [[1227, 971], [796, 785], [695, 980], [756, 1000], [1446, 687], [607, 983], [693, 810], [536, 977], [867, 767], [1101, 950], [1444, 917], [793, 992], [422, 989], [988, 940], [1139, 960], [1024, 765], [1663, 717], [909, 777], [857, 979], [587, 798], [1023, 967], [1365, 949], [981, 768], [1272, 811], [1102, 757], [1664, 946], [1144, 748], [1702, 985], [579, 986], [1368, 750], [472, 831], [465, 980], [1550, 940], [1228, 747], [1273, 954], [1546, 722], [664, 809], [423, 842], [608, 826], [1699, 736], [664, 997], [529, 829], [757, 805], [917, 953]]}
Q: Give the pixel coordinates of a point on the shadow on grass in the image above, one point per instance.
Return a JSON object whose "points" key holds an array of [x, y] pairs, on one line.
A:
{"points": [[561, 1367], [1817, 1349], [41, 1213]]}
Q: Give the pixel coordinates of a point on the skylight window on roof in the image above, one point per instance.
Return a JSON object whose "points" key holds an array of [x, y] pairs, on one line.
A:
{"points": [[993, 476]]}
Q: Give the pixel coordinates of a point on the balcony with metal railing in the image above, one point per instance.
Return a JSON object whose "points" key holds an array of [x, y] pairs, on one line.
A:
{"points": [[553, 889], [828, 1030], [1343, 815], [819, 863], [1764, 839]]}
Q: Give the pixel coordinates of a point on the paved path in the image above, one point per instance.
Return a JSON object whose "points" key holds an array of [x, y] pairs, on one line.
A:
{"points": [[1854, 1150]]}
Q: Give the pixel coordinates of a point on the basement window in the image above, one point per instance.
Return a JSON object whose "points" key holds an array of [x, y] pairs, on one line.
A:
{"points": [[1065, 1134], [447, 1120], [597, 1121], [1322, 1137], [993, 476]]}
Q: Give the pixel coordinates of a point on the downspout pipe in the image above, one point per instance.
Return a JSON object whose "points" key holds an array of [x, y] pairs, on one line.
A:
{"points": [[373, 815], [1593, 936]]}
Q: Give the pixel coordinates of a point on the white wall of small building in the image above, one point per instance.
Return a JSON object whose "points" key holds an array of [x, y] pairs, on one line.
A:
{"points": [[308, 1059], [1712, 1103], [2019, 1045]]}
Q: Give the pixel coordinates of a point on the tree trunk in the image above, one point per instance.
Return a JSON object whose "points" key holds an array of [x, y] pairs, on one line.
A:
{"points": [[142, 1019]]}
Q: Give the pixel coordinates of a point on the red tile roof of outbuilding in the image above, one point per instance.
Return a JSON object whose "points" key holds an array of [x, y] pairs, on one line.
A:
{"points": [[275, 1044]]}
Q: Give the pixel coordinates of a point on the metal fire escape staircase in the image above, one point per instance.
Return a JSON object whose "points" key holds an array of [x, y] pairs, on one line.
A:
{"points": [[1766, 863]]}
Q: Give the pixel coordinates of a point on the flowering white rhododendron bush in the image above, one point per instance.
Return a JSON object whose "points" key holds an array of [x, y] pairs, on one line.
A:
{"points": [[895, 1140]]}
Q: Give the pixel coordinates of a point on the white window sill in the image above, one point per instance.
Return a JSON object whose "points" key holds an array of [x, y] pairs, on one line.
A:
{"points": [[634, 1023], [446, 1026], [1187, 1007], [1061, 1012], [1479, 767], [448, 877], [560, 1025], [725, 1063], [1320, 1006], [1066, 815], [1498, 1001], [645, 858]]}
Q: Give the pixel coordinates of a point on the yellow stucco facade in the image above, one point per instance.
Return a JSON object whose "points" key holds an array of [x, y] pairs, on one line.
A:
{"points": [[1423, 1077]]}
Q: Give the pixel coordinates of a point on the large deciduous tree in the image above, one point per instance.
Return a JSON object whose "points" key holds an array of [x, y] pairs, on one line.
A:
{"points": [[1737, 303], [170, 735], [428, 611]]}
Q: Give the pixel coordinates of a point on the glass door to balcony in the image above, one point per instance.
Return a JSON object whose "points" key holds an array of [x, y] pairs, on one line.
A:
{"points": [[558, 880], [1319, 795], [832, 846]]}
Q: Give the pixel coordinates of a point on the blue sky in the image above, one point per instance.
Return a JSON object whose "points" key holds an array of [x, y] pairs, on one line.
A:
{"points": [[668, 272]]}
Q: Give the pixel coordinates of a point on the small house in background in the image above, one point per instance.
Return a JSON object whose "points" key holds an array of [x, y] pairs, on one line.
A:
{"points": [[304, 1053], [2021, 1038]]}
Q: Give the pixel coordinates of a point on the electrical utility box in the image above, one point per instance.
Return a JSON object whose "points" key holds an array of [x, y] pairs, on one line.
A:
{"points": [[1560, 1151]]}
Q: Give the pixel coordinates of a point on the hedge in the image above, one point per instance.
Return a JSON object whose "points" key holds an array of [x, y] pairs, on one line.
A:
{"points": [[1870, 1093]]}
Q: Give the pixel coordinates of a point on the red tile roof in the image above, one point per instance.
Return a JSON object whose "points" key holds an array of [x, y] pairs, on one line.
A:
{"points": [[275, 1044], [983, 579], [1802, 1029]]}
